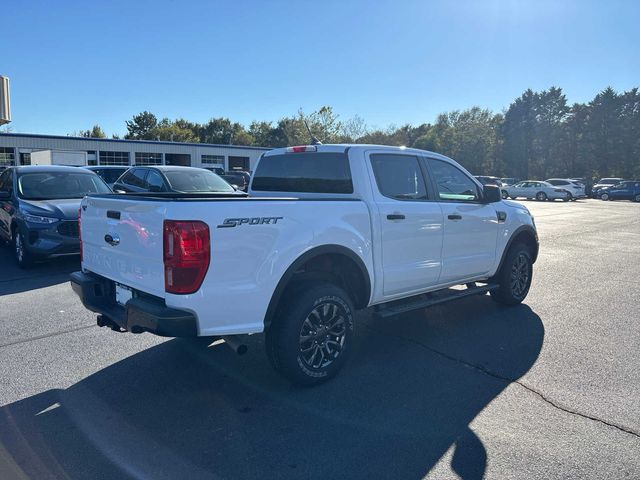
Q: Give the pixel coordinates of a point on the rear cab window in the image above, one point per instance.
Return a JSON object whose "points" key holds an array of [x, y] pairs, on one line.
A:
{"points": [[307, 172]]}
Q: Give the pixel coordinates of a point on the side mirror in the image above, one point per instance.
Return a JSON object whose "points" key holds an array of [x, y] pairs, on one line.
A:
{"points": [[117, 190], [235, 187], [491, 194], [5, 194]]}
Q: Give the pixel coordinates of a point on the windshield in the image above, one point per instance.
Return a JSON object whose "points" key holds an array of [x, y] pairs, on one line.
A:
{"points": [[196, 181], [58, 185], [610, 181]]}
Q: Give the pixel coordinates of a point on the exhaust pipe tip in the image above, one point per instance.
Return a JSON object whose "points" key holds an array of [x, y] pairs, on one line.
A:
{"points": [[242, 349], [233, 343]]}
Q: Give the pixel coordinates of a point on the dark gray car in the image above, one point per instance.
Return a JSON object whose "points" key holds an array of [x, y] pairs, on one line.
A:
{"points": [[39, 209], [166, 179]]}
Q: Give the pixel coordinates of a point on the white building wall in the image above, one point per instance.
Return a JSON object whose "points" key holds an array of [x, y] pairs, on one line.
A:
{"points": [[27, 143]]}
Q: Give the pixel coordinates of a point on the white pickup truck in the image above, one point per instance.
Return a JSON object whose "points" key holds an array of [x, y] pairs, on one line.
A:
{"points": [[325, 231]]}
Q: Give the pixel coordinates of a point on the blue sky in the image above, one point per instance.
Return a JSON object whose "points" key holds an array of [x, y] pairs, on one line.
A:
{"points": [[76, 63]]}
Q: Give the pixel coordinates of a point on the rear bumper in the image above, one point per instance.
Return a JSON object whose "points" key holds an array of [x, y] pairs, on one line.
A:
{"points": [[142, 313]]}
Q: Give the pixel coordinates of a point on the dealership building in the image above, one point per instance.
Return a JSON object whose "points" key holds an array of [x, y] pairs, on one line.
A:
{"points": [[16, 149]]}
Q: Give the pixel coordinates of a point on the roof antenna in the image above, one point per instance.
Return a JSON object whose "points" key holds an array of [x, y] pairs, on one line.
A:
{"points": [[314, 139]]}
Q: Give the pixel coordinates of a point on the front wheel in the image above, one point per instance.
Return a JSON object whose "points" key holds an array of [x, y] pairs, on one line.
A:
{"points": [[505, 195], [514, 277], [21, 254], [312, 336], [637, 198], [604, 196]]}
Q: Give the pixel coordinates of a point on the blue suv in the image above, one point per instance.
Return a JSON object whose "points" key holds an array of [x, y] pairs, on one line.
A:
{"points": [[39, 209], [628, 190]]}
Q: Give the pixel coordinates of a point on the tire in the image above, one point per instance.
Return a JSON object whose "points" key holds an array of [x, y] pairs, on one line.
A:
{"points": [[514, 277], [504, 195], [20, 253], [541, 196], [316, 318], [604, 196], [570, 198], [637, 198], [513, 198]]}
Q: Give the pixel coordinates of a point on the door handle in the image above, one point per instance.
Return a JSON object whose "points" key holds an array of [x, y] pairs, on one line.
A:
{"points": [[395, 216], [454, 217]]}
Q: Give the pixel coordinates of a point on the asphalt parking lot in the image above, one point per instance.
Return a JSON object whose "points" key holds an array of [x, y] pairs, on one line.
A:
{"points": [[547, 389]]}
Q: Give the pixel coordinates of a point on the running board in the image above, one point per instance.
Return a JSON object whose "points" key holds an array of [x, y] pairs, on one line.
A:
{"points": [[430, 299]]}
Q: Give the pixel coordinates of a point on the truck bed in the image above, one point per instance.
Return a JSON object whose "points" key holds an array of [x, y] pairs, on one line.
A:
{"points": [[248, 255]]}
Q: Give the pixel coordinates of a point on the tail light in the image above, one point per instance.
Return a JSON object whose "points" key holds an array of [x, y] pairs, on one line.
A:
{"points": [[187, 252], [80, 232]]}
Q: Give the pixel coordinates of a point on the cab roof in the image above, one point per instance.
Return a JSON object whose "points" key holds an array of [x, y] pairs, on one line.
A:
{"points": [[344, 147]]}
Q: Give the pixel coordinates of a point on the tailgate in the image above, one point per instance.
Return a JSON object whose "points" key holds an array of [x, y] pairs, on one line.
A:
{"points": [[122, 241]]}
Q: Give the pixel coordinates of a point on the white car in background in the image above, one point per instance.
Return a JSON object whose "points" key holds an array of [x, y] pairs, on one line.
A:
{"points": [[541, 191], [575, 188]]}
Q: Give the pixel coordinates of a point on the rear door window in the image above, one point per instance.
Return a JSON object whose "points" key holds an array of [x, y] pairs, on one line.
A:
{"points": [[6, 181], [309, 172], [135, 177], [399, 176], [154, 182], [110, 175]]}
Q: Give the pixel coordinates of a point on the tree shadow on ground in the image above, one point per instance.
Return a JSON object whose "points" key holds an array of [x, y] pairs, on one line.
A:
{"points": [[408, 394]]}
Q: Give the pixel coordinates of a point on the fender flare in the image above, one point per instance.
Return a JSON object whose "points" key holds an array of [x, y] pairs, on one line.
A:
{"points": [[304, 258], [517, 232]]}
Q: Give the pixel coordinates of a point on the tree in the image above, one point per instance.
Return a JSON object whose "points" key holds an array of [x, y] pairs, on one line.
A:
{"points": [[141, 125], [517, 131], [539, 135], [223, 131], [469, 136], [630, 134], [264, 134], [168, 131], [95, 132], [551, 112], [354, 128], [603, 132]]}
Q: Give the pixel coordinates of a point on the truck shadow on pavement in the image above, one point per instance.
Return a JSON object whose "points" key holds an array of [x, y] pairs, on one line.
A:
{"points": [[408, 395]]}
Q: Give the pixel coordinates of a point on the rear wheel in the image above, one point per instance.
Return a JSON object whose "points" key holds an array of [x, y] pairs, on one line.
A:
{"points": [[637, 198], [514, 277], [541, 196], [312, 336], [505, 195]]}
